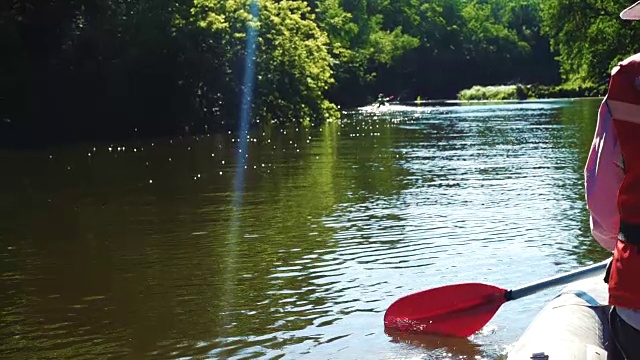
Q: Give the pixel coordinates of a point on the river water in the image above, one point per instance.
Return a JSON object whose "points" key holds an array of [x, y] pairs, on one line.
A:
{"points": [[168, 249]]}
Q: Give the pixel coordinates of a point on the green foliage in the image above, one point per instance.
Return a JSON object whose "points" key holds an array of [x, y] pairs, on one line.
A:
{"points": [[293, 64], [125, 68], [500, 92], [566, 91], [589, 37], [459, 43], [488, 31], [388, 45], [524, 92], [362, 39]]}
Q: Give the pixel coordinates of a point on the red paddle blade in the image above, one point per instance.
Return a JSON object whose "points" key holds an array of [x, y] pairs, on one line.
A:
{"points": [[456, 310]]}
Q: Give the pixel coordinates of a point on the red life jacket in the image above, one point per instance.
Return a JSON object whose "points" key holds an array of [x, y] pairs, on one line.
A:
{"points": [[623, 101]]}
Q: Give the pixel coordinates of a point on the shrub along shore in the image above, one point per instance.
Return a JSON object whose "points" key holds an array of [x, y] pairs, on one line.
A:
{"points": [[530, 92]]}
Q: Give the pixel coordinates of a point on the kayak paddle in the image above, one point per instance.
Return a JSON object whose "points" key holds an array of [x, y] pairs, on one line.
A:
{"points": [[462, 309]]}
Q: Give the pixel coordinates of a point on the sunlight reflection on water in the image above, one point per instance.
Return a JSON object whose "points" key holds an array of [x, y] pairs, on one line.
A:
{"points": [[128, 252]]}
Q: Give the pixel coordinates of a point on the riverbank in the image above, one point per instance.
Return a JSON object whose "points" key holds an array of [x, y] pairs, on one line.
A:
{"points": [[530, 92]]}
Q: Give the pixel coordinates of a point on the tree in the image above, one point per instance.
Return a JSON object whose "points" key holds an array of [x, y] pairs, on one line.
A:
{"points": [[293, 63], [589, 37]]}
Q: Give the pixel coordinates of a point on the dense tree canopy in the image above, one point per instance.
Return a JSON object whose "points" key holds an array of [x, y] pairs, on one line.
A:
{"points": [[589, 36], [113, 69]]}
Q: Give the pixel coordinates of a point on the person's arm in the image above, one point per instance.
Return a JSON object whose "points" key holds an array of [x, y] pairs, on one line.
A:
{"points": [[603, 175]]}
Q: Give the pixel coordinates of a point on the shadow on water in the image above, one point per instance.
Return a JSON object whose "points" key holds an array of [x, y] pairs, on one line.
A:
{"points": [[450, 347]]}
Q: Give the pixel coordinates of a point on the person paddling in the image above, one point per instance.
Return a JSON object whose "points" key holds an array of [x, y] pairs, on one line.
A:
{"points": [[612, 184], [382, 100]]}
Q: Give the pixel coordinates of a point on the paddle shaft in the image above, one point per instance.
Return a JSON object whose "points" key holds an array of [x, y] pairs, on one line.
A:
{"points": [[556, 280]]}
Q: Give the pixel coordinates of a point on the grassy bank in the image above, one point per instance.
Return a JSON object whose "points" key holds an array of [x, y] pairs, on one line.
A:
{"points": [[525, 92]]}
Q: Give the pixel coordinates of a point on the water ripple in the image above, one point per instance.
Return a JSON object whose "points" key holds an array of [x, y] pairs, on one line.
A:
{"points": [[338, 221]]}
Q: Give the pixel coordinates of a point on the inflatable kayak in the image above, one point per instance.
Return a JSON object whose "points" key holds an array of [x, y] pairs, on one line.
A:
{"points": [[572, 326]]}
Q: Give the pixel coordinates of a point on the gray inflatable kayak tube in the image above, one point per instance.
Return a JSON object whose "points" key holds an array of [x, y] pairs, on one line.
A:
{"points": [[572, 326]]}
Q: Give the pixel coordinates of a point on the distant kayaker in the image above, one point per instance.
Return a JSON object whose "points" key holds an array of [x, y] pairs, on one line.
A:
{"points": [[382, 100], [612, 182]]}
